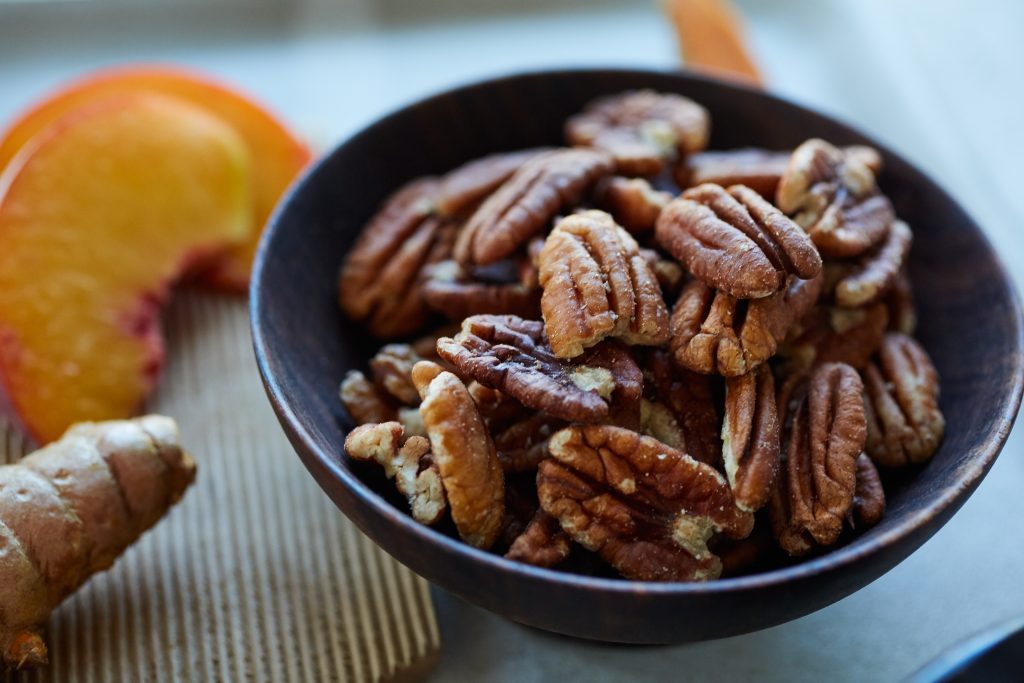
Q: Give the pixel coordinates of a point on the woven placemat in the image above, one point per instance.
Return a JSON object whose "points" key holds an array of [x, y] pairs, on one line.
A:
{"points": [[255, 575]]}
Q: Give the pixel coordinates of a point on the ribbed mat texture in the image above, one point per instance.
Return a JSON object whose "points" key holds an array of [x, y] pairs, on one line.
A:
{"points": [[255, 575]]}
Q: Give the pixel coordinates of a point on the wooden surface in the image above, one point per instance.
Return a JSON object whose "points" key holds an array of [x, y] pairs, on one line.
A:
{"points": [[254, 576], [969, 315]]}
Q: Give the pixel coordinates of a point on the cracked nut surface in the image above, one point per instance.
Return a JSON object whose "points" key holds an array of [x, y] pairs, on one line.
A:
{"points": [[409, 464], [511, 355], [645, 508], [736, 241], [714, 333], [877, 271], [462, 189], [633, 203], [690, 397], [641, 129], [542, 543], [364, 401], [597, 285], [750, 437], [377, 283], [464, 453], [818, 477], [833, 196], [868, 495], [901, 399], [527, 202], [392, 371]]}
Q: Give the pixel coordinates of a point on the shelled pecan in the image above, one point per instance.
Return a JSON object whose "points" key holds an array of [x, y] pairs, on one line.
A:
{"points": [[736, 241], [876, 272], [836, 335], [364, 401], [750, 437], [868, 495], [633, 203], [641, 129], [462, 189], [542, 543], [901, 400], [597, 285], [758, 169], [690, 397], [645, 508], [392, 372]]}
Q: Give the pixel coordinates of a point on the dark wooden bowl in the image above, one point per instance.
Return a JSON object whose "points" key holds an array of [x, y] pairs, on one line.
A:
{"points": [[970, 322]]}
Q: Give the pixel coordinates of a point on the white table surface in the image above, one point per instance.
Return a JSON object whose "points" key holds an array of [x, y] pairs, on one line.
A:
{"points": [[938, 80]]}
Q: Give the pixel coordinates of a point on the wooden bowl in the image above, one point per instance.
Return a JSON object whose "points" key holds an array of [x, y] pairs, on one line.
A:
{"points": [[970, 322]]}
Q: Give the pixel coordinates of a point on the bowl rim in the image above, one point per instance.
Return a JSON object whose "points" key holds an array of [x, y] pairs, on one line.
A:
{"points": [[830, 562]]}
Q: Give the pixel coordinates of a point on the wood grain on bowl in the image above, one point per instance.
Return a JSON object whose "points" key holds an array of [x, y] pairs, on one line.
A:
{"points": [[970, 325]]}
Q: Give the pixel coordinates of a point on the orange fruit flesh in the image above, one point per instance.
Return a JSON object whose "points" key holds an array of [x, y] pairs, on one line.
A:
{"points": [[277, 155], [98, 216]]}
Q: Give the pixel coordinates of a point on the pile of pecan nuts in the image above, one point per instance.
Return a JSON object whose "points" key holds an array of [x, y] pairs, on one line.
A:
{"points": [[672, 361]]}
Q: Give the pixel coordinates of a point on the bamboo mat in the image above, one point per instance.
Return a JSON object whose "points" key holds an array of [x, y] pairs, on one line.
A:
{"points": [[255, 575]]}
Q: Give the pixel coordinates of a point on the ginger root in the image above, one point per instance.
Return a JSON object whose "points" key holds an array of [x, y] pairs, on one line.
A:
{"points": [[69, 509]]}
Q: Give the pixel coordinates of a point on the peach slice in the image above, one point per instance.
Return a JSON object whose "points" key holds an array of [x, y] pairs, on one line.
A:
{"points": [[99, 215], [277, 156]]}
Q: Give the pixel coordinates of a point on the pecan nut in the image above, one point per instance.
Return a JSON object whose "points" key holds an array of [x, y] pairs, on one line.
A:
{"points": [[462, 189], [597, 285], [833, 196], [714, 333], [670, 274], [522, 445], [392, 371], [836, 335], [901, 399], [542, 543], [410, 465], [900, 304], [364, 401], [641, 129], [645, 508], [690, 397], [634, 204], [511, 355], [464, 452], [527, 202], [449, 290], [758, 169], [868, 496], [816, 485], [750, 437], [877, 271], [377, 283], [736, 241], [658, 421]]}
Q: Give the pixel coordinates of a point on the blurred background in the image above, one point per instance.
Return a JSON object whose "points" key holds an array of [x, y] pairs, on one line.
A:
{"points": [[938, 80]]}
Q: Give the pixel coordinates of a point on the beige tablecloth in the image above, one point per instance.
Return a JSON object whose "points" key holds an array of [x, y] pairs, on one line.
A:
{"points": [[255, 575]]}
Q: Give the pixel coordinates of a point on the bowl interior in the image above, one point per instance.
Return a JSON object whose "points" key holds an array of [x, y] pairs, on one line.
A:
{"points": [[968, 312]]}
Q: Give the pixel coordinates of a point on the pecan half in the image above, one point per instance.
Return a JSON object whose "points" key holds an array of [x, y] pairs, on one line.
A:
{"points": [[464, 188], [449, 290], [378, 279], [877, 271], [690, 397], [465, 455], [641, 129], [364, 401], [714, 333], [670, 274], [542, 543], [750, 437], [645, 508], [632, 201], [596, 284], [758, 169], [833, 196], [736, 241], [392, 372], [819, 474], [524, 444], [410, 465], [511, 355], [900, 304], [527, 202], [836, 335], [868, 496], [901, 399]]}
